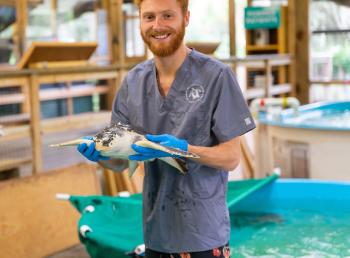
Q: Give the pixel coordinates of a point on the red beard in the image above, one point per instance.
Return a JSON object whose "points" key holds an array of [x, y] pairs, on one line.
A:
{"points": [[164, 49]]}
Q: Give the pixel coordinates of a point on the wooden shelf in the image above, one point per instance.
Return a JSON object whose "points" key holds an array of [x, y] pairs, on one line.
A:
{"points": [[253, 93], [77, 91], [52, 94], [277, 89], [58, 124], [280, 89], [262, 48], [7, 99], [259, 61], [84, 120], [15, 119], [336, 82], [13, 163]]}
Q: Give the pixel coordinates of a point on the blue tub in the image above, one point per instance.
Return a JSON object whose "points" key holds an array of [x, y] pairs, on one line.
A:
{"points": [[314, 143], [334, 116]]}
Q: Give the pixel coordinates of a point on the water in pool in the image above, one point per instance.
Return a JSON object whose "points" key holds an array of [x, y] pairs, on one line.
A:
{"points": [[323, 118], [290, 233]]}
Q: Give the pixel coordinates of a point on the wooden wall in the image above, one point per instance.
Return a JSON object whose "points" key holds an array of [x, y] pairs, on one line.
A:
{"points": [[33, 224]]}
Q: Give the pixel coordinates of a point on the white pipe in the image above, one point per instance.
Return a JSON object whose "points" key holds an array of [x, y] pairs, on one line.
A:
{"points": [[261, 104], [84, 229], [62, 196], [140, 249]]}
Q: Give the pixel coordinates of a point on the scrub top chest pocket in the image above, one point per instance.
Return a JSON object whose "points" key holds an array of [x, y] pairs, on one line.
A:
{"points": [[188, 121]]}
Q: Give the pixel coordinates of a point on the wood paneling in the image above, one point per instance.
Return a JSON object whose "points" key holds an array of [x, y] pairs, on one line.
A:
{"points": [[33, 223]]}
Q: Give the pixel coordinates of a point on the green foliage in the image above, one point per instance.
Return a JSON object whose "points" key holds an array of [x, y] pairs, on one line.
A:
{"points": [[341, 60]]}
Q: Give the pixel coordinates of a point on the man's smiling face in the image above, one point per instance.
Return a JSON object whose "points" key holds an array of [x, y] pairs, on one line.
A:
{"points": [[162, 25]]}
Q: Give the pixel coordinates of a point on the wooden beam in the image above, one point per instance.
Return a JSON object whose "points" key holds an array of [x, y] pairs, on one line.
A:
{"points": [[114, 85], [84, 120], [248, 158], [15, 119], [282, 43], [12, 133], [35, 124], [232, 26], [72, 92], [7, 99], [9, 164], [53, 18], [268, 79], [70, 103], [11, 3], [291, 39], [52, 125], [334, 82], [105, 4], [302, 50], [21, 20], [53, 77], [25, 91], [12, 81], [111, 184], [116, 31]]}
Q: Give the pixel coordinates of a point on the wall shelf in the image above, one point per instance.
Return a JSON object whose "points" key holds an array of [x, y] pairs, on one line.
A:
{"points": [[266, 64]]}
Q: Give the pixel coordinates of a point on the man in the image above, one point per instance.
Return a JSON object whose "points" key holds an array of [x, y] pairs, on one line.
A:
{"points": [[189, 101]]}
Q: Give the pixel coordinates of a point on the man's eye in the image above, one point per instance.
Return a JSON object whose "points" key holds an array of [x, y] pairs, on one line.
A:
{"points": [[148, 17], [167, 16]]}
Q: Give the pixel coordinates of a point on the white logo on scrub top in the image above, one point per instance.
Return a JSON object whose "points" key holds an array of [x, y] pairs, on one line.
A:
{"points": [[194, 93]]}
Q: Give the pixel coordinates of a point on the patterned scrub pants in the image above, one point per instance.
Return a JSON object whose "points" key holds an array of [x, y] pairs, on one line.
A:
{"points": [[220, 252]]}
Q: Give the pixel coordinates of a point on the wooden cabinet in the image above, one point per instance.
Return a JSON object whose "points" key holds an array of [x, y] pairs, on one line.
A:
{"points": [[270, 42]]}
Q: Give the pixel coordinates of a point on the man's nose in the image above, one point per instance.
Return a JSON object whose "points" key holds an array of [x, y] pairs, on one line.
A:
{"points": [[158, 23]]}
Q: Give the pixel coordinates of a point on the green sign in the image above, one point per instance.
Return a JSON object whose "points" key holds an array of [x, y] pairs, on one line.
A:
{"points": [[262, 17]]}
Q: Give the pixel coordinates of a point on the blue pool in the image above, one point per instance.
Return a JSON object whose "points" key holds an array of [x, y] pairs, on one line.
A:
{"points": [[284, 218], [293, 218]]}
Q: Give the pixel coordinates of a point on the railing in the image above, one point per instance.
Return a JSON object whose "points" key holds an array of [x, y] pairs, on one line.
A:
{"points": [[28, 123]]}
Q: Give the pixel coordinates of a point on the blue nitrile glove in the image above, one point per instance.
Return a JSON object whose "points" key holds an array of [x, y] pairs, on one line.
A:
{"points": [[167, 140], [90, 152]]}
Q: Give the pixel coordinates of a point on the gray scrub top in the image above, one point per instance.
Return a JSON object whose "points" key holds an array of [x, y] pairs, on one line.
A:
{"points": [[205, 106]]}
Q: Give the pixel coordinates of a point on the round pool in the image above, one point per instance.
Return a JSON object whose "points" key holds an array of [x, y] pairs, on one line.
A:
{"points": [[312, 143], [293, 218]]}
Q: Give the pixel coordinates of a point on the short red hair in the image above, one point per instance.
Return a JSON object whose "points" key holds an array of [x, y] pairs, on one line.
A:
{"points": [[183, 4]]}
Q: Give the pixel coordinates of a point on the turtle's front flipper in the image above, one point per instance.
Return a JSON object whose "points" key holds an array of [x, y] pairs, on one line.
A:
{"points": [[72, 143]]}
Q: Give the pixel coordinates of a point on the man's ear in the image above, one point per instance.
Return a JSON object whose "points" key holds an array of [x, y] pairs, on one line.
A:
{"points": [[187, 18]]}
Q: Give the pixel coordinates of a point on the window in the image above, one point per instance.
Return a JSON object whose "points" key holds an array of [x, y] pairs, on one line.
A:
{"points": [[69, 21], [209, 21], [7, 27], [329, 50]]}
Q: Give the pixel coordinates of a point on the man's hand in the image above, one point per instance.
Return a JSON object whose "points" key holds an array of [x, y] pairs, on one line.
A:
{"points": [[163, 139], [89, 151]]}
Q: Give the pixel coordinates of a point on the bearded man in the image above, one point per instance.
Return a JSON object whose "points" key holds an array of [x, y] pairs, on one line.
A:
{"points": [[189, 101]]}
